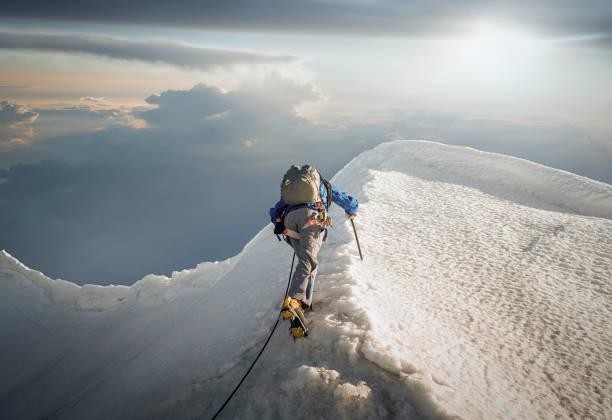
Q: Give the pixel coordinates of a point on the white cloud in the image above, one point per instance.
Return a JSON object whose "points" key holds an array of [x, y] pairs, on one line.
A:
{"points": [[13, 115], [95, 100], [14, 125]]}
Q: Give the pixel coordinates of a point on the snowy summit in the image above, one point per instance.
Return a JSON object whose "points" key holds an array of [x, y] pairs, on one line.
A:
{"points": [[485, 292]]}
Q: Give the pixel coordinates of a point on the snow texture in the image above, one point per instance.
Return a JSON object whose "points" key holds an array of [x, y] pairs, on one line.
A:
{"points": [[485, 292]]}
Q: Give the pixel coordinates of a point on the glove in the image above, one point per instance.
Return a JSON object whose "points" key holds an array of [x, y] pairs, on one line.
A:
{"points": [[350, 216]]}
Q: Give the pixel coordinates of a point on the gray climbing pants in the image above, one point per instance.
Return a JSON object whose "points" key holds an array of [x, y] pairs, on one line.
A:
{"points": [[306, 248]]}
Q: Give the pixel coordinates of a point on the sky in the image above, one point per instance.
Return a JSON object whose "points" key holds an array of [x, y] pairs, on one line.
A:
{"points": [[140, 137]]}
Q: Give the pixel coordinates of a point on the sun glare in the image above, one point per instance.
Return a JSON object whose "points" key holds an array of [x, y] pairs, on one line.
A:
{"points": [[493, 52]]}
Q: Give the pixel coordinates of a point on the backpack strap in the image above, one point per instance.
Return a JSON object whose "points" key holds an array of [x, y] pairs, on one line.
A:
{"points": [[329, 188]]}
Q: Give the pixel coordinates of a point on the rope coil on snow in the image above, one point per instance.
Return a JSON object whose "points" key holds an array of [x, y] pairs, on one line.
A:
{"points": [[229, 398]]}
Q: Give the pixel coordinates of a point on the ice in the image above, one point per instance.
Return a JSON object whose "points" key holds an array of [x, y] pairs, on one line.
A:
{"points": [[485, 292]]}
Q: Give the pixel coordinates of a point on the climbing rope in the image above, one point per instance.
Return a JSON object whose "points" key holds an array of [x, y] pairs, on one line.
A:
{"points": [[260, 352]]}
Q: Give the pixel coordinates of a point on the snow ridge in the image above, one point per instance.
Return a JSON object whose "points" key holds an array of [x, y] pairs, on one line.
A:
{"points": [[484, 293]]}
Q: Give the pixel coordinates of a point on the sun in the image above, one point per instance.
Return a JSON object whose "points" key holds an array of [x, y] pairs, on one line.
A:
{"points": [[493, 52]]}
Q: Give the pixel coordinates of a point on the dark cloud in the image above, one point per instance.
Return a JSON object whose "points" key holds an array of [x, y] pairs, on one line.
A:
{"points": [[110, 206], [392, 17], [149, 51]]}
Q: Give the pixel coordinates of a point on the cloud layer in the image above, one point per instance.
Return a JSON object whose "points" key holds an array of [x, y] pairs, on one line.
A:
{"points": [[391, 17], [196, 184], [150, 51]]}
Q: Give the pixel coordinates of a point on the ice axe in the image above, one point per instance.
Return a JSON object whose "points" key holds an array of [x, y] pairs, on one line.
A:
{"points": [[356, 238]]}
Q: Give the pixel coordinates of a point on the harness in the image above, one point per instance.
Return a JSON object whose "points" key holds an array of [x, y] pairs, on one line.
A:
{"points": [[321, 219]]}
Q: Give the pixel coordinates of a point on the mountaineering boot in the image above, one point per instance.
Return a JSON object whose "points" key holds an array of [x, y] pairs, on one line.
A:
{"points": [[297, 329], [292, 311], [289, 308], [306, 307]]}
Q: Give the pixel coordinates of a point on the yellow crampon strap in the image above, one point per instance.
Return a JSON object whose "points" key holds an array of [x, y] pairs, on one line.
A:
{"points": [[297, 332], [289, 303]]}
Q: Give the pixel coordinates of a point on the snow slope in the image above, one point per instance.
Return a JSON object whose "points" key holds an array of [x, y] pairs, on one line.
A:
{"points": [[485, 292]]}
